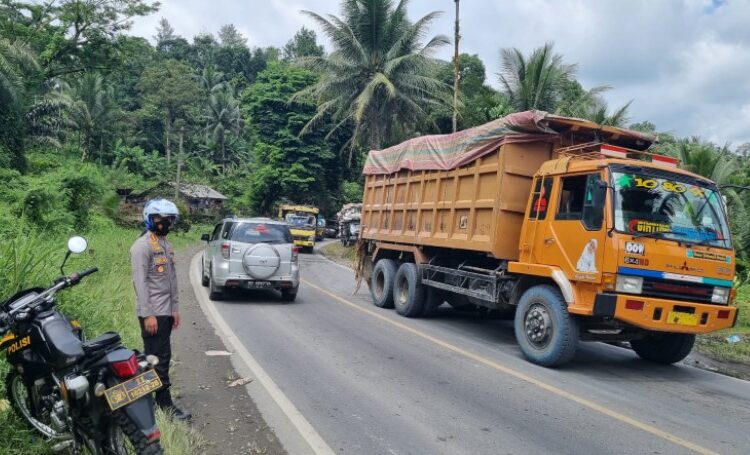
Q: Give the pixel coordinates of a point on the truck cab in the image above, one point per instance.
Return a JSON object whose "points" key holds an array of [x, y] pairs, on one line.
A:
{"points": [[638, 247], [302, 221]]}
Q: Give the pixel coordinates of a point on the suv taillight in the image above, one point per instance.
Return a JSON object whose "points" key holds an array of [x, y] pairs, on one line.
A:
{"points": [[225, 250], [295, 253]]}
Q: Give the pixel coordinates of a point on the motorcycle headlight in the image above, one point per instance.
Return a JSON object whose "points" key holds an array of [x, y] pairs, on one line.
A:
{"points": [[720, 295], [629, 284]]}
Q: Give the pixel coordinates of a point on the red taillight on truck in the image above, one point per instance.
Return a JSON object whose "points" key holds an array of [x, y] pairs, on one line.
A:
{"points": [[225, 250], [126, 368]]}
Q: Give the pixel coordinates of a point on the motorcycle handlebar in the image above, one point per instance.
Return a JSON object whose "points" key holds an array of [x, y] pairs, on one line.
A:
{"points": [[87, 272]]}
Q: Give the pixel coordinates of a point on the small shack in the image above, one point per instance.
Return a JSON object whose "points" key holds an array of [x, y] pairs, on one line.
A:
{"points": [[202, 201]]}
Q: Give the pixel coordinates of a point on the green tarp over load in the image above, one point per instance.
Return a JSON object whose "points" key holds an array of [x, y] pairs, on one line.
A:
{"points": [[450, 151]]}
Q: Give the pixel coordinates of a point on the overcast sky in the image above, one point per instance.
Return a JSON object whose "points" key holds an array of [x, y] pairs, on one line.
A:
{"points": [[684, 63]]}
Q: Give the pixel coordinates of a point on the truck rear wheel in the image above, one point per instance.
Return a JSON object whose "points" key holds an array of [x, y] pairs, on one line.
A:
{"points": [[381, 283], [666, 348], [408, 291], [546, 333]]}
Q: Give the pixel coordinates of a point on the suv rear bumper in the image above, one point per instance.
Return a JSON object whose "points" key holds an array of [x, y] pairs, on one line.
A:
{"points": [[654, 313], [277, 281]]}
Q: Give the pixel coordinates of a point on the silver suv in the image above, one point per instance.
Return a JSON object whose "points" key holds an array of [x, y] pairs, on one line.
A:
{"points": [[251, 253]]}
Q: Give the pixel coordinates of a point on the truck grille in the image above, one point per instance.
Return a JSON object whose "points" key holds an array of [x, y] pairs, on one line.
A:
{"points": [[691, 292]]}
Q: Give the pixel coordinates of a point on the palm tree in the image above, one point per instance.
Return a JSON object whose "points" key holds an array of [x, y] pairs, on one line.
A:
{"points": [[379, 78], [29, 116], [210, 79], [535, 82], [90, 110], [223, 118], [708, 160]]}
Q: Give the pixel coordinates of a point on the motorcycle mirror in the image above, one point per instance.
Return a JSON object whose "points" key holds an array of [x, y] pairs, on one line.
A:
{"points": [[77, 245]]}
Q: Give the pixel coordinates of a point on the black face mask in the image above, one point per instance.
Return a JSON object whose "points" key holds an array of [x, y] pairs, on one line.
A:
{"points": [[162, 227]]}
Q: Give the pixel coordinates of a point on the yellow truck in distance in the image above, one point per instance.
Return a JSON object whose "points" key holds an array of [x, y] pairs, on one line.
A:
{"points": [[303, 223], [573, 228]]}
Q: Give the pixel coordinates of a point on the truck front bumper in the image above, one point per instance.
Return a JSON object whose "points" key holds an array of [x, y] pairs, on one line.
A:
{"points": [[665, 315], [304, 243]]}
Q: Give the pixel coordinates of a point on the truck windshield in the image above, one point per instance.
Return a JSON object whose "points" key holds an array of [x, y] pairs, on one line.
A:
{"points": [[650, 202], [300, 220]]}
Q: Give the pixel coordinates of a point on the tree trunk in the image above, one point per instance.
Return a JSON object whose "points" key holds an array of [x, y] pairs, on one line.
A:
{"points": [[456, 74], [179, 165], [223, 158], [167, 132]]}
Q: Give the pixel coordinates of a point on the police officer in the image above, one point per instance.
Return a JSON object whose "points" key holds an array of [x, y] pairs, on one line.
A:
{"points": [[155, 280]]}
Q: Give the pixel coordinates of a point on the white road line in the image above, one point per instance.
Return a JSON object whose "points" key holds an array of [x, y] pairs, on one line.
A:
{"points": [[308, 433]]}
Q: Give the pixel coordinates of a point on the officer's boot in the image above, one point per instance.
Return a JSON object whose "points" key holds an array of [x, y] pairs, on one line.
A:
{"points": [[164, 401]]}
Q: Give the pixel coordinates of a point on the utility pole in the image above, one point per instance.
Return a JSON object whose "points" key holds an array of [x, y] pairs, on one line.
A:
{"points": [[179, 165], [456, 73]]}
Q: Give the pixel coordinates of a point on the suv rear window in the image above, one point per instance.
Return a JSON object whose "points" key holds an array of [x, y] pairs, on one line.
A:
{"points": [[261, 233]]}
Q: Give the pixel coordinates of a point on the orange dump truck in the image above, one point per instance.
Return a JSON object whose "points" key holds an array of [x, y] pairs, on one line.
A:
{"points": [[572, 227]]}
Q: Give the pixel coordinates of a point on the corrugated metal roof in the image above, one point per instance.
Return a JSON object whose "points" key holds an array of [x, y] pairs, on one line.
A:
{"points": [[198, 191]]}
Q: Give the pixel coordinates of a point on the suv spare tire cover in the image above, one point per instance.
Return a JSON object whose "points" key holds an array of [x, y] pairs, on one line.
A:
{"points": [[261, 261]]}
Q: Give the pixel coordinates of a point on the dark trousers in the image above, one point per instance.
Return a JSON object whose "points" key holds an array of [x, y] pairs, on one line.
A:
{"points": [[160, 345]]}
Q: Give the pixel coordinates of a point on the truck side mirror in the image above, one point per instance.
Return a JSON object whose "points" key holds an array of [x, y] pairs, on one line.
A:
{"points": [[205, 237]]}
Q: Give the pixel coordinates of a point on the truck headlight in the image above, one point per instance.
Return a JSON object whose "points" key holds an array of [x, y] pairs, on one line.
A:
{"points": [[629, 284], [720, 295]]}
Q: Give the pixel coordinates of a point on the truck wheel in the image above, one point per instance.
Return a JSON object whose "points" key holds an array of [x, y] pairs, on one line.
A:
{"points": [[546, 333], [381, 283], [666, 348], [408, 291]]}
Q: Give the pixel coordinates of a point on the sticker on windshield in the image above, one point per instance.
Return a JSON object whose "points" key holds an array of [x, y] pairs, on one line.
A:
{"points": [[647, 226], [587, 261]]}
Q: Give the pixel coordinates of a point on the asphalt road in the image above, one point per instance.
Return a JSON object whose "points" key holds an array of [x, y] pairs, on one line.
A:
{"points": [[372, 382]]}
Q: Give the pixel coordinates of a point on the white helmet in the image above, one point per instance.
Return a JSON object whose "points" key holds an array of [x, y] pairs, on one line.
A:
{"points": [[161, 207]]}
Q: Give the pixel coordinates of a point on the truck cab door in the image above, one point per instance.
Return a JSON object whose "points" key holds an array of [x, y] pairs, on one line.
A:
{"points": [[574, 236]]}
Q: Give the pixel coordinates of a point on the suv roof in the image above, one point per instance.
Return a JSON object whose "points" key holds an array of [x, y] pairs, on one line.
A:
{"points": [[254, 220]]}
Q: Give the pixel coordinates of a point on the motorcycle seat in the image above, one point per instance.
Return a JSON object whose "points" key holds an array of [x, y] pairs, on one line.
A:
{"points": [[102, 341]]}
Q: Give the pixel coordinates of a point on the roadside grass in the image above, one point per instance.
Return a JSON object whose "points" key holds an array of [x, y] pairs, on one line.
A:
{"points": [[337, 252], [715, 345], [104, 302]]}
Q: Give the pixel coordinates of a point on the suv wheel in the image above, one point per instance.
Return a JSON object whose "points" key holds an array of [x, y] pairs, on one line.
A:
{"points": [[288, 295], [215, 292], [204, 278]]}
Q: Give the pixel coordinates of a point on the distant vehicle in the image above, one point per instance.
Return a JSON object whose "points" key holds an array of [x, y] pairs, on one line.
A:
{"points": [[251, 253], [349, 217], [320, 232], [332, 229], [302, 220]]}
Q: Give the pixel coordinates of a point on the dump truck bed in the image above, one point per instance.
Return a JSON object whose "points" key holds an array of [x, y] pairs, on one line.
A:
{"points": [[478, 207]]}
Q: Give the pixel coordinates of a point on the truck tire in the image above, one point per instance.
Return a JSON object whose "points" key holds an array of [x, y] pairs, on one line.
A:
{"points": [[381, 282], [408, 291], [666, 348], [546, 333]]}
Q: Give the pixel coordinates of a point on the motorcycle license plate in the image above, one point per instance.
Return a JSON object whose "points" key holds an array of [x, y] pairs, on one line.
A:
{"points": [[680, 318], [127, 392]]}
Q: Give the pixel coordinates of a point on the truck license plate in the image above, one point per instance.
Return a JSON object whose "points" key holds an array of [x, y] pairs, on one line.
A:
{"points": [[680, 318], [127, 392]]}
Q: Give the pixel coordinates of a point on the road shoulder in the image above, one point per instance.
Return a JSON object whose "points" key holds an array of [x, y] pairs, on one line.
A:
{"points": [[226, 416]]}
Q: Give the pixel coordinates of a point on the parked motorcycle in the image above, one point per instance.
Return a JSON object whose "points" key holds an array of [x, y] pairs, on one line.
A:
{"points": [[85, 396]]}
